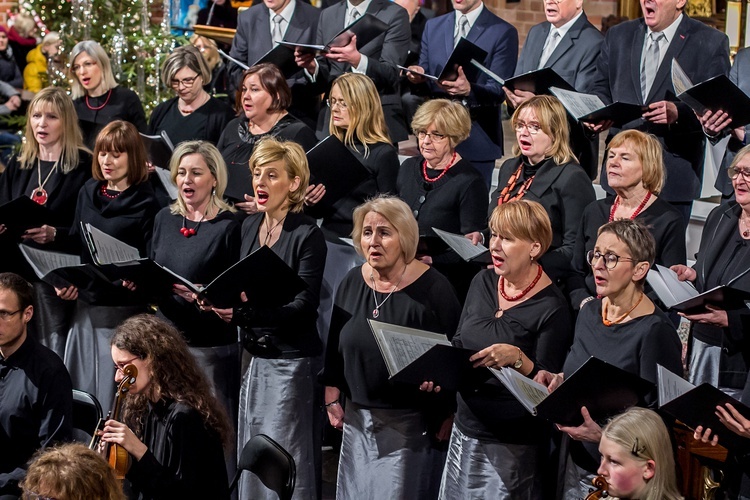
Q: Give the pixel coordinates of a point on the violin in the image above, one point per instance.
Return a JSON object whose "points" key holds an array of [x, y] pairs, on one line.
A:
{"points": [[601, 489], [117, 457]]}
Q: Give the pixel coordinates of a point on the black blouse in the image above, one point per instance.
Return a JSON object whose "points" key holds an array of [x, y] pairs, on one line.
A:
{"points": [[205, 123], [120, 103]]}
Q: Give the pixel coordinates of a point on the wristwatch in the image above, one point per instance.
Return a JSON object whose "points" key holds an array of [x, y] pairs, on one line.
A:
{"points": [[519, 362]]}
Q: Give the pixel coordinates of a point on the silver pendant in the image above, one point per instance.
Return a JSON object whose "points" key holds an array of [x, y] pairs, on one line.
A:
{"points": [[375, 313]]}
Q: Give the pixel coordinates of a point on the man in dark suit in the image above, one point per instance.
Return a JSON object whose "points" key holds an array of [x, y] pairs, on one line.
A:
{"points": [[635, 67], [258, 31], [472, 20], [377, 59], [569, 44]]}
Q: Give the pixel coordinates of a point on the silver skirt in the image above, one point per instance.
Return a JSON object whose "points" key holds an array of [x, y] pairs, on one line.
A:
{"points": [[277, 399], [485, 469], [387, 454]]}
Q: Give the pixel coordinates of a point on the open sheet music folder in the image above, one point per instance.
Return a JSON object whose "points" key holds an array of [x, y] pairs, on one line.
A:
{"points": [[21, 214], [589, 108], [463, 54], [602, 388], [682, 295], [414, 356], [334, 166], [366, 28], [538, 81], [282, 56], [696, 406], [464, 247], [159, 149]]}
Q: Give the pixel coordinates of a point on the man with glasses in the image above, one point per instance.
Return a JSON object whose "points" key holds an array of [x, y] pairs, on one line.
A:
{"points": [[36, 396], [569, 44]]}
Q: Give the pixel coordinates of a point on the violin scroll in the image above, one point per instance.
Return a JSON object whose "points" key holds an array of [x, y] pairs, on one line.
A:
{"points": [[601, 489]]}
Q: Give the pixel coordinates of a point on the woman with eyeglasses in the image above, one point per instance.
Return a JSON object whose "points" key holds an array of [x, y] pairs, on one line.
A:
{"points": [[192, 114], [264, 98], [545, 170], [97, 98], [717, 334], [623, 328], [443, 189], [635, 170]]}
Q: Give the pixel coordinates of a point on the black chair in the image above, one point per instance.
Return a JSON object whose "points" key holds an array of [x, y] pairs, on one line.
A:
{"points": [[271, 463], [86, 415]]}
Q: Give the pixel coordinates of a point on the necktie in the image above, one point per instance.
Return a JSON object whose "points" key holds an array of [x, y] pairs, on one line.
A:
{"points": [[276, 32], [353, 16], [549, 47], [463, 29], [650, 64]]}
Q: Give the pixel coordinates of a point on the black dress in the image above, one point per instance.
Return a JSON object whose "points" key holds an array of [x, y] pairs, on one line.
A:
{"points": [[205, 123], [564, 191], [119, 103], [185, 459]]}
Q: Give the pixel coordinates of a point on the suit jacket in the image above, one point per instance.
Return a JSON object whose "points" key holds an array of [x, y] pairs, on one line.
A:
{"points": [[500, 40], [383, 54], [703, 53], [574, 59]]}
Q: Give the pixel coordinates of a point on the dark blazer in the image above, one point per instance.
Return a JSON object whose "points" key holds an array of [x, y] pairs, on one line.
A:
{"points": [[703, 53], [574, 59], [500, 40], [383, 53]]}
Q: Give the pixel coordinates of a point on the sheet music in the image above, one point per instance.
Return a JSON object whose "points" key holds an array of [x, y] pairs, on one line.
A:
{"points": [[462, 246], [528, 392], [680, 290], [44, 262], [488, 72], [404, 68], [164, 135], [235, 61], [671, 385], [109, 250], [680, 81], [165, 176], [577, 103], [401, 346]]}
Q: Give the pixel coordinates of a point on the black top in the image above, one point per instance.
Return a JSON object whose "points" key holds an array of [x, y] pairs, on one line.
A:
{"points": [[184, 458], [120, 103], [540, 326], [291, 328], [236, 143], [663, 220], [564, 191], [205, 123], [9, 71], [36, 408], [353, 361], [383, 165], [214, 248]]}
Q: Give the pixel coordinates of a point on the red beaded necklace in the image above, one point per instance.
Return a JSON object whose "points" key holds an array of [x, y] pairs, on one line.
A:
{"points": [[442, 174], [501, 286], [187, 232], [637, 210], [106, 194], [505, 196], [97, 108]]}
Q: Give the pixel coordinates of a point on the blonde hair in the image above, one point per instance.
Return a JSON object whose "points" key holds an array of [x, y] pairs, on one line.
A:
{"points": [[523, 220], [649, 151], [398, 214], [449, 117], [210, 50], [554, 122], [366, 119], [24, 24], [269, 150], [186, 56], [642, 434], [97, 53], [216, 166], [61, 104]]}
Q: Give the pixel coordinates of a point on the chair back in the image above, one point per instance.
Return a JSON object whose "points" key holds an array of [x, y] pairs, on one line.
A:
{"points": [[86, 415], [271, 463]]}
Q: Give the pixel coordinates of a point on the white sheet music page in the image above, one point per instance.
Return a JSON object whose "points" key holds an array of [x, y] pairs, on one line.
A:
{"points": [[400, 345], [44, 261], [671, 385], [110, 250]]}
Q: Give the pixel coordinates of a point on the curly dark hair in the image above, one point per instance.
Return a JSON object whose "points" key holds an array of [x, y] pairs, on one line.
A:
{"points": [[174, 373]]}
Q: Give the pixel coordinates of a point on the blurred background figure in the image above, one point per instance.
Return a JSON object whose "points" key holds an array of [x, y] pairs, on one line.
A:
{"points": [[35, 75]]}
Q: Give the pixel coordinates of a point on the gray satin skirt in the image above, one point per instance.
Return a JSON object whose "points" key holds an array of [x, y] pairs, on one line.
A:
{"points": [[339, 260], [277, 399], [88, 356], [387, 454], [486, 469]]}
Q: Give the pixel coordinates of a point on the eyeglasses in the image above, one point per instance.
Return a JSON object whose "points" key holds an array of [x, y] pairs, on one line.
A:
{"points": [[610, 259], [433, 136], [532, 127], [120, 367], [78, 67], [333, 102], [185, 82], [734, 172], [6, 315]]}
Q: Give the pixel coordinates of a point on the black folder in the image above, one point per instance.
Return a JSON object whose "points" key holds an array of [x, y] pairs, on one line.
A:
{"points": [[538, 81], [724, 297], [93, 286], [461, 56], [366, 28], [429, 244], [159, 149], [619, 112], [282, 56], [333, 165], [239, 181], [21, 214], [698, 407], [447, 366], [90, 129], [602, 388], [719, 93]]}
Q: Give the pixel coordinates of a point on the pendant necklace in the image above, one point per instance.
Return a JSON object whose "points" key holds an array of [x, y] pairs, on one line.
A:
{"points": [[376, 311], [187, 232], [269, 232], [39, 195], [746, 232]]}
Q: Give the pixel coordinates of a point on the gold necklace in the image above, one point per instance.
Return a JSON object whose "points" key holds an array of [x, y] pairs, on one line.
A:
{"points": [[39, 195]]}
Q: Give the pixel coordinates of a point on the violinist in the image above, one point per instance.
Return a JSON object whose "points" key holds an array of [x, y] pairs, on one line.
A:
{"points": [[172, 427]]}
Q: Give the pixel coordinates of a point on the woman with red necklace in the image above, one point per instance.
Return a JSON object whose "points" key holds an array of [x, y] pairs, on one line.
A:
{"points": [[623, 328], [635, 171], [96, 96], [443, 189], [516, 317]]}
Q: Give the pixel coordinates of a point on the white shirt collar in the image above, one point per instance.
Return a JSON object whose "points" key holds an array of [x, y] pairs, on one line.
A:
{"points": [[286, 12], [669, 31], [563, 30], [361, 8], [471, 16]]}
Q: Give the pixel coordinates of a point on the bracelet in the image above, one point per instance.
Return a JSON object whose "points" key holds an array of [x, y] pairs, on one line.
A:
{"points": [[332, 403]]}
